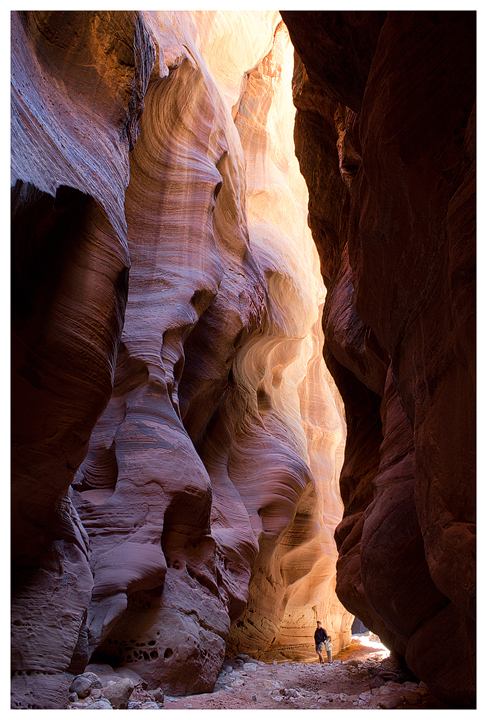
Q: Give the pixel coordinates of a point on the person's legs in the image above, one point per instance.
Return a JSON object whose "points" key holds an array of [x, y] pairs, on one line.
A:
{"points": [[328, 652], [319, 650]]}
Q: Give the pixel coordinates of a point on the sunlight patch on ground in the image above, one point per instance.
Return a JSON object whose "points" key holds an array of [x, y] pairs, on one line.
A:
{"points": [[372, 641]]}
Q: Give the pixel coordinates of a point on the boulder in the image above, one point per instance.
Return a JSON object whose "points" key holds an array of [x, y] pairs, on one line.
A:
{"points": [[84, 683], [250, 666], [411, 697], [158, 695], [102, 704], [118, 693], [390, 701]]}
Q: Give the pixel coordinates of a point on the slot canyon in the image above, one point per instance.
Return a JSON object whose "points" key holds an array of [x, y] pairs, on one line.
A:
{"points": [[243, 315]]}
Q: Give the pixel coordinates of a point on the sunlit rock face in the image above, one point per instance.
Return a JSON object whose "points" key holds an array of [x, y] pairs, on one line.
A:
{"points": [[176, 437], [385, 135]]}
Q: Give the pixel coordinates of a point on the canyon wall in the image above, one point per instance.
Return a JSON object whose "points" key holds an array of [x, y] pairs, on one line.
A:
{"points": [[385, 135], [176, 437]]}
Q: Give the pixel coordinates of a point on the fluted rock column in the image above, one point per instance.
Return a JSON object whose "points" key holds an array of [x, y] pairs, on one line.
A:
{"points": [[176, 437], [76, 100]]}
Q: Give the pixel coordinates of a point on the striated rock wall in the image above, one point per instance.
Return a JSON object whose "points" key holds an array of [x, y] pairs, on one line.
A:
{"points": [[176, 437], [385, 135]]}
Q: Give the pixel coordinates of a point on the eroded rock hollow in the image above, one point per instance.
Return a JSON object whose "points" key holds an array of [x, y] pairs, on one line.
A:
{"points": [[176, 437]]}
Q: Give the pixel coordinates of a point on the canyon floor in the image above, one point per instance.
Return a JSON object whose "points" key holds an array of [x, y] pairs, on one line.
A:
{"points": [[362, 676]]}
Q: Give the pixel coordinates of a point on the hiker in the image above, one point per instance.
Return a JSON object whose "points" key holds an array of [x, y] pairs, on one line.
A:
{"points": [[322, 637], [328, 647]]}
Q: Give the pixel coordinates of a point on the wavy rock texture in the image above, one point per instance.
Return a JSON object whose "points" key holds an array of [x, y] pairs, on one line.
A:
{"points": [[385, 135], [176, 439]]}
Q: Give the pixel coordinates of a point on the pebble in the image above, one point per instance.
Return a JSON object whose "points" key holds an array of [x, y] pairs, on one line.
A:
{"points": [[82, 684], [250, 666], [390, 702], [392, 684], [244, 658], [411, 697], [118, 693], [158, 695], [101, 704]]}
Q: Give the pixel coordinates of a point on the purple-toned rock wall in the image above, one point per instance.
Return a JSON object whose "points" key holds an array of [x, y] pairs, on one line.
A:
{"points": [[176, 438]]}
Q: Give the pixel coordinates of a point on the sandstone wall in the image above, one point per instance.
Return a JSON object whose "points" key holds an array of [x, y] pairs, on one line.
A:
{"points": [[385, 134], [176, 437]]}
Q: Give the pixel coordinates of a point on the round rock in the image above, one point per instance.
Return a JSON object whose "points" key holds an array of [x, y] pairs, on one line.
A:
{"points": [[82, 684]]}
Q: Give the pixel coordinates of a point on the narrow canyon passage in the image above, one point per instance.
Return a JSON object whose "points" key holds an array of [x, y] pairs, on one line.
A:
{"points": [[243, 346]]}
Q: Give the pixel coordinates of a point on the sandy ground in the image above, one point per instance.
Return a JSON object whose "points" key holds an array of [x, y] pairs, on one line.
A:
{"points": [[359, 677]]}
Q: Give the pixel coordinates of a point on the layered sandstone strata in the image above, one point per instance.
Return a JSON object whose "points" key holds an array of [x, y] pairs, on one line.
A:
{"points": [[385, 134], [176, 439]]}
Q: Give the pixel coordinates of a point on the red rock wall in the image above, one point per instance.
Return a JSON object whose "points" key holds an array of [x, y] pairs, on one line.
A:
{"points": [[176, 438], [385, 135]]}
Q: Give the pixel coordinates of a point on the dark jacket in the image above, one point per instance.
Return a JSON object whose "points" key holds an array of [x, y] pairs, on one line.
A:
{"points": [[320, 635]]}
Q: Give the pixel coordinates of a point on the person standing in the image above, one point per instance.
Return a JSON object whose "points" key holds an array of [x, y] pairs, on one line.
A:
{"points": [[328, 648], [320, 638]]}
